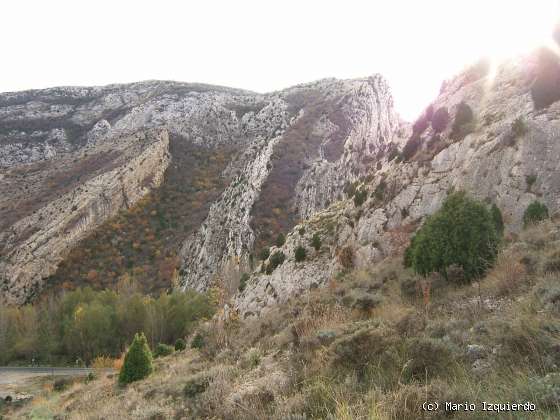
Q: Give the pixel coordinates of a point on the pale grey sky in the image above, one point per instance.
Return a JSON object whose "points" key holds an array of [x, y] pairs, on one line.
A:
{"points": [[262, 45]]}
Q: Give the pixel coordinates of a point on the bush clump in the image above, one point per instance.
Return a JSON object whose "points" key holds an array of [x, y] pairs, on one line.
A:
{"points": [[243, 281], [163, 350], [346, 257], [280, 240], [61, 384], [379, 192], [530, 180], [423, 122], [427, 357], [462, 123], [534, 213], [264, 254], [546, 87], [360, 197], [394, 154], [361, 348], [497, 219], [196, 385], [316, 242], [461, 233], [547, 389], [518, 127], [180, 344], [197, 341], [411, 147], [276, 260], [137, 362], [350, 188], [300, 254]]}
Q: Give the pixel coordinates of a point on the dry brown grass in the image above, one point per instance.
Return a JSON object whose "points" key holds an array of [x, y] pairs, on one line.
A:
{"points": [[507, 276], [277, 366], [345, 257], [103, 362], [538, 234], [321, 317]]}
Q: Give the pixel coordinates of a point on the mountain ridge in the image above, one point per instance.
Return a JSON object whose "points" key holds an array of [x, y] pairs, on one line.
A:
{"points": [[285, 156], [37, 130]]}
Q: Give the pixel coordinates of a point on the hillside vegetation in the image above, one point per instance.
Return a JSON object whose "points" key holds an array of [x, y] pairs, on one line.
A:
{"points": [[84, 326], [143, 241], [375, 344]]}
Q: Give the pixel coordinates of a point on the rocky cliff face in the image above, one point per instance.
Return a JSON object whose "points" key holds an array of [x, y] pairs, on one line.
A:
{"points": [[486, 133], [48, 208], [290, 153], [327, 134], [225, 171]]}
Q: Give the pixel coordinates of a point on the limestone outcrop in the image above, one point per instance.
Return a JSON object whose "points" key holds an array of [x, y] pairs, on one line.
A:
{"points": [[48, 208], [482, 134], [329, 158]]}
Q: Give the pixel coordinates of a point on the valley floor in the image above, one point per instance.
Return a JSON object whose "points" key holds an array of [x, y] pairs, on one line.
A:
{"points": [[373, 344]]}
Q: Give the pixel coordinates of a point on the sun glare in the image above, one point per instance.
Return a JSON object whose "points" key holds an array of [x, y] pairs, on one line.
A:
{"points": [[515, 28]]}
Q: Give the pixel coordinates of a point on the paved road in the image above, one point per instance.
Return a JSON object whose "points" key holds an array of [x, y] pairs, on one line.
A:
{"points": [[46, 369], [10, 375]]}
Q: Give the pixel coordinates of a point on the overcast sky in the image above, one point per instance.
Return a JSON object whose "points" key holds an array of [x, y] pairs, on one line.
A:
{"points": [[262, 45]]}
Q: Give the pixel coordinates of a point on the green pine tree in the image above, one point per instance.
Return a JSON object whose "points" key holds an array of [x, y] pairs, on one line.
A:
{"points": [[316, 242], [180, 344], [137, 362], [280, 240], [300, 254], [498, 219], [461, 233], [535, 212]]}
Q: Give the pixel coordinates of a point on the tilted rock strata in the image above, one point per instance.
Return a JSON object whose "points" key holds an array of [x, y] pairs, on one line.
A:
{"points": [[495, 161], [34, 245], [357, 116], [294, 153]]}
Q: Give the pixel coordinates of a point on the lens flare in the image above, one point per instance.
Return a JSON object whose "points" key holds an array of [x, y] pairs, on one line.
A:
{"points": [[516, 27]]}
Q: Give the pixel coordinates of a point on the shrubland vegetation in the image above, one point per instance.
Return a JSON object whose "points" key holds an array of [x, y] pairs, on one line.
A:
{"points": [[300, 254], [463, 233], [84, 324], [375, 343], [360, 197], [316, 241], [143, 241], [440, 119], [138, 360], [463, 122], [274, 261], [534, 213], [274, 211]]}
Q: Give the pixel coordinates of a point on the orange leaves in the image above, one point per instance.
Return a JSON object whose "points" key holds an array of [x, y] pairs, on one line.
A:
{"points": [[67, 285], [144, 239], [167, 267]]}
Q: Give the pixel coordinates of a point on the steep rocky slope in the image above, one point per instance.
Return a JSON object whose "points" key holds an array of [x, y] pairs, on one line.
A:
{"points": [[369, 346], [338, 131], [47, 208], [226, 171], [287, 154], [486, 133]]}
